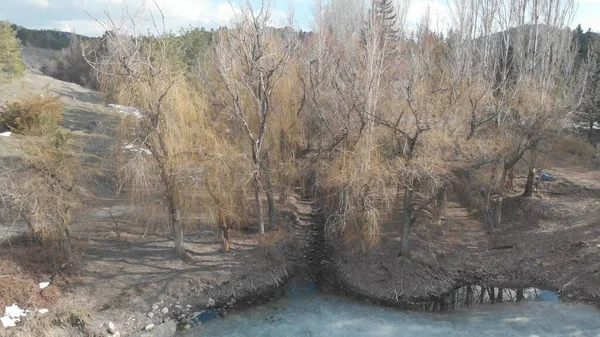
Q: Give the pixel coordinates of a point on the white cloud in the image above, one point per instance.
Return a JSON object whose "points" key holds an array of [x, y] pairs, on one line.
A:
{"points": [[203, 12], [84, 27], [39, 3], [439, 18]]}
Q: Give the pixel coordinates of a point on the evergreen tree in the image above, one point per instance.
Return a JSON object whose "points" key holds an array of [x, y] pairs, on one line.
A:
{"points": [[11, 64]]}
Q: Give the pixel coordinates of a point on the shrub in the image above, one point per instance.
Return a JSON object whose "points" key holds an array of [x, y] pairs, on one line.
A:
{"points": [[34, 115], [45, 193], [11, 64]]}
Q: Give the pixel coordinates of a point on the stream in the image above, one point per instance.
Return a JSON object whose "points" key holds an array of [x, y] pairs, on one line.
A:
{"points": [[316, 314]]}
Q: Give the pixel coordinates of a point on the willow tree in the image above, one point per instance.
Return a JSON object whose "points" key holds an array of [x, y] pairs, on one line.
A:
{"points": [[252, 59], [167, 138]]}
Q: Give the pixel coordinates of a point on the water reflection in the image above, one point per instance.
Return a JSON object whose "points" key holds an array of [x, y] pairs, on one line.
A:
{"points": [[331, 316], [474, 295]]}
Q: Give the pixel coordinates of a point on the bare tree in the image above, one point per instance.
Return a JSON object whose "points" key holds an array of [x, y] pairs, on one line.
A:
{"points": [[252, 58]]}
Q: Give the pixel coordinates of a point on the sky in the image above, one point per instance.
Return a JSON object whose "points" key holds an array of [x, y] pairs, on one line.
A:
{"points": [[81, 15]]}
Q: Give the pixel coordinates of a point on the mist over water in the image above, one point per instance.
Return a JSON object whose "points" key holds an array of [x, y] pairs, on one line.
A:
{"points": [[324, 315]]}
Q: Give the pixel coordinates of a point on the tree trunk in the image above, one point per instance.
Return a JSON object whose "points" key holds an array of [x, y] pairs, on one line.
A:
{"points": [[500, 295], [283, 193], [176, 225], [511, 179], [224, 232], [503, 181], [482, 295], [591, 130], [469, 299], [498, 213], [66, 244], [529, 184], [491, 293], [520, 296], [270, 200], [259, 215], [440, 206], [507, 176], [407, 223]]}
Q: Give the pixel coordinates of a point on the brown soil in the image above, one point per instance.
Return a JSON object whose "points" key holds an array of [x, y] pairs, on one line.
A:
{"points": [[549, 241], [122, 274]]}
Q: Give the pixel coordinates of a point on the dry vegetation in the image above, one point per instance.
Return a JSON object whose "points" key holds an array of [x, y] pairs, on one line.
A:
{"points": [[382, 122], [385, 118]]}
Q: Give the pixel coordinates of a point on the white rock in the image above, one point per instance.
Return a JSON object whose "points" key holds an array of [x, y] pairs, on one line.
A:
{"points": [[150, 314], [149, 327], [111, 327], [116, 334], [154, 307], [188, 306], [211, 302], [6, 134], [165, 310], [44, 285], [7, 322], [43, 311]]}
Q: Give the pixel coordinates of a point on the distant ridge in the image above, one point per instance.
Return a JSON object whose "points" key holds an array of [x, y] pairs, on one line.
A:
{"points": [[45, 38]]}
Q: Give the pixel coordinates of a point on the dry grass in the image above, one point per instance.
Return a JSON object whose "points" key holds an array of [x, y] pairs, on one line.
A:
{"points": [[573, 145], [33, 115], [20, 272]]}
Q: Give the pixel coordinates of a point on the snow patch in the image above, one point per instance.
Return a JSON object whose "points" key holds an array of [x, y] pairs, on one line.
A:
{"points": [[127, 110], [6, 134], [12, 315], [7, 322], [43, 311], [134, 148], [44, 285]]}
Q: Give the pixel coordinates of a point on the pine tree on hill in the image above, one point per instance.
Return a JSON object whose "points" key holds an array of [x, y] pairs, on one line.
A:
{"points": [[11, 64]]}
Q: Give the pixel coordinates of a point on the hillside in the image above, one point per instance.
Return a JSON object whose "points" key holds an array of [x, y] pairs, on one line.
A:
{"points": [[46, 38]]}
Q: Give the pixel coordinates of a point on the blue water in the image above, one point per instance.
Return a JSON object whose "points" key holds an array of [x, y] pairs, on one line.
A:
{"points": [[324, 315]]}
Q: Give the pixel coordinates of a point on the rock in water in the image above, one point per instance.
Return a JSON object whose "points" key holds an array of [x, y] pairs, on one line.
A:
{"points": [[201, 317]]}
